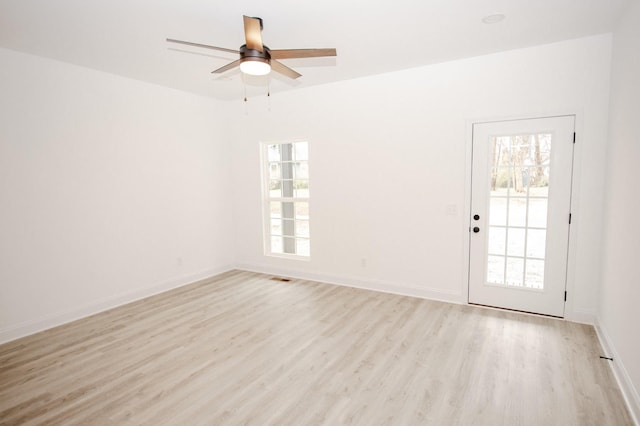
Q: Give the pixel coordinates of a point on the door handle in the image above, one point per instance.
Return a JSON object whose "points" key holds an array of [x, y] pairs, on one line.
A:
{"points": [[476, 229]]}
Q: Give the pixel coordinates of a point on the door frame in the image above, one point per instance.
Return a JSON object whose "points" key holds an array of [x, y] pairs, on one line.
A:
{"points": [[569, 310]]}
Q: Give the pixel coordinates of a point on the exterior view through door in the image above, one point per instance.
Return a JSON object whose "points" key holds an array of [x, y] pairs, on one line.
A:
{"points": [[520, 213]]}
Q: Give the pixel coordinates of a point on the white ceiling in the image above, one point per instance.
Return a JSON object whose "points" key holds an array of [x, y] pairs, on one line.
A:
{"points": [[127, 37]]}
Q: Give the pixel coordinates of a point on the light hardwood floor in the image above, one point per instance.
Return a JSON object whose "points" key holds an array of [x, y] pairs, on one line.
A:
{"points": [[243, 349]]}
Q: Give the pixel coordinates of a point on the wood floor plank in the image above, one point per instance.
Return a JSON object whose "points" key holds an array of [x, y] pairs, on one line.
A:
{"points": [[240, 348]]}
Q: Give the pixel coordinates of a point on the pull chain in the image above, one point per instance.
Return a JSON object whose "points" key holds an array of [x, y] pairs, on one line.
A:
{"points": [[269, 95], [246, 108]]}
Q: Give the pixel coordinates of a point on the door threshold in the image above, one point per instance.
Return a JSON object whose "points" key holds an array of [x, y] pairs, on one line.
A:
{"points": [[498, 308]]}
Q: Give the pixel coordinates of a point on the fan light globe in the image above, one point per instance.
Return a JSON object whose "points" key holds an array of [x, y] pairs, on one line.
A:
{"points": [[255, 67]]}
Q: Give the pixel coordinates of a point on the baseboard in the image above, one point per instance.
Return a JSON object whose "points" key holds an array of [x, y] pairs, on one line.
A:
{"points": [[629, 392], [580, 317], [40, 324], [401, 289], [27, 328]]}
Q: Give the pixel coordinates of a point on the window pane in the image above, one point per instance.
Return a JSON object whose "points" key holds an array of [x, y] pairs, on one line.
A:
{"points": [[275, 188], [302, 210], [274, 171], [544, 143], [498, 211], [303, 247], [286, 168], [287, 209], [288, 245], [301, 151], [275, 209], [302, 228], [273, 152], [288, 229], [276, 227], [535, 274], [276, 244], [539, 181], [536, 240], [538, 213], [515, 242], [500, 181], [497, 240], [287, 188], [540, 191], [301, 170], [515, 271], [286, 152], [301, 188], [517, 211], [495, 270], [526, 179]]}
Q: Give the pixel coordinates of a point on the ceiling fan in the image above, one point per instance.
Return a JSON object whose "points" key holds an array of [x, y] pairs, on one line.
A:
{"points": [[258, 59]]}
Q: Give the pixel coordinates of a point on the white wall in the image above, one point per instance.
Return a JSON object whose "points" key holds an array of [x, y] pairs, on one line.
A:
{"points": [[619, 313], [389, 153], [110, 189], [106, 182]]}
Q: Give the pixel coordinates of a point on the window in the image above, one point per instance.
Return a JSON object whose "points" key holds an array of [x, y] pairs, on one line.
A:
{"points": [[286, 198]]}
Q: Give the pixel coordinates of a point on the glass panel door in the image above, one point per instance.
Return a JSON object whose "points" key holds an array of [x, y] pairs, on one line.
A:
{"points": [[520, 205]]}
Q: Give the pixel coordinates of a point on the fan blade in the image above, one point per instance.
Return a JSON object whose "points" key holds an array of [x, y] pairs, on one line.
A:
{"points": [[301, 53], [226, 67], [206, 46], [284, 70], [252, 30]]}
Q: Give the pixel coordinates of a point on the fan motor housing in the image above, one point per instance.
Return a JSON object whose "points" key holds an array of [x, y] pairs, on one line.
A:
{"points": [[252, 54]]}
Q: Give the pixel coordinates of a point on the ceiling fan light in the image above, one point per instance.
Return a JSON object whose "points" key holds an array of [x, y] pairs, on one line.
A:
{"points": [[255, 66]]}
